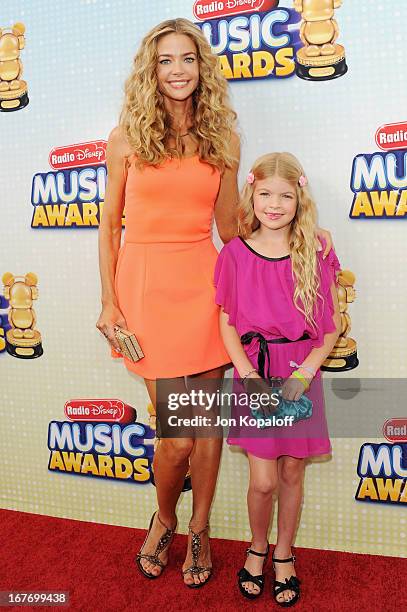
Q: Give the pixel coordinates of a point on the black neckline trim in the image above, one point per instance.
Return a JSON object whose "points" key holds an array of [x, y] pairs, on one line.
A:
{"points": [[263, 256]]}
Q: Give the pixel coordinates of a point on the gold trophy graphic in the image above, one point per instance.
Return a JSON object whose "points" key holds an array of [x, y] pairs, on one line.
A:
{"points": [[22, 340], [344, 354], [320, 59], [13, 90]]}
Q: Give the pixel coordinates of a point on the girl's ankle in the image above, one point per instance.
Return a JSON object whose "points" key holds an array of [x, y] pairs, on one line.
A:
{"points": [[259, 545], [282, 552]]}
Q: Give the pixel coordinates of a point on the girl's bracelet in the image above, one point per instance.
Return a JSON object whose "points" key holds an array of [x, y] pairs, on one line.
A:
{"points": [[248, 373], [303, 367], [301, 378]]}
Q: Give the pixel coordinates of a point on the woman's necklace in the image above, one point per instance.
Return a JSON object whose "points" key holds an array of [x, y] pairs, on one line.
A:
{"points": [[188, 116], [180, 135]]}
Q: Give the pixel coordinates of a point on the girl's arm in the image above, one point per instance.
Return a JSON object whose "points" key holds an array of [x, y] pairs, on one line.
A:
{"points": [[234, 347], [294, 388], [228, 197]]}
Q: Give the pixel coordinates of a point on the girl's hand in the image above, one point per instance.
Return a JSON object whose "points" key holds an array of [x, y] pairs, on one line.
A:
{"points": [[323, 233], [254, 383], [109, 318], [292, 389]]}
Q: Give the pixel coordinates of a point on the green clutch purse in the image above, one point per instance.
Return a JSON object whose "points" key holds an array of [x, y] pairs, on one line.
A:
{"points": [[301, 409]]}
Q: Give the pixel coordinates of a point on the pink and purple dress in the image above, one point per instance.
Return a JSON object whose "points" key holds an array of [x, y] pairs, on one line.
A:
{"points": [[257, 293]]}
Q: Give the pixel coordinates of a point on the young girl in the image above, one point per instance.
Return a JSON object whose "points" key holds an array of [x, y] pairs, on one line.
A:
{"points": [[279, 318]]}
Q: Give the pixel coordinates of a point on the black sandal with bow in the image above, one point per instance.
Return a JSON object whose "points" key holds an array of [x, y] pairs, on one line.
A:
{"points": [[163, 542], [245, 576], [290, 584]]}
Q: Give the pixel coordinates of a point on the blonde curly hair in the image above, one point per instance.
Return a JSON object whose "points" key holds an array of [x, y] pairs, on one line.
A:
{"points": [[303, 244], [144, 119]]}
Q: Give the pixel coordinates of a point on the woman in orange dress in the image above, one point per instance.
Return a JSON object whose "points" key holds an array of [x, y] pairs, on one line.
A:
{"points": [[172, 164]]}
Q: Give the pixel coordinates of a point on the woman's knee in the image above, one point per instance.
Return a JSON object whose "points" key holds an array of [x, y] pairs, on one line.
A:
{"points": [[177, 450], [291, 471]]}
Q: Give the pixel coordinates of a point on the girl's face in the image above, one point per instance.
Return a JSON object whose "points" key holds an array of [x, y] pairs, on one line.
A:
{"points": [[177, 66], [274, 202]]}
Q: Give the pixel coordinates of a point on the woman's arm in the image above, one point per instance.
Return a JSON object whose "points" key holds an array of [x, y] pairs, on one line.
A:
{"points": [[228, 197], [293, 388], [110, 230]]}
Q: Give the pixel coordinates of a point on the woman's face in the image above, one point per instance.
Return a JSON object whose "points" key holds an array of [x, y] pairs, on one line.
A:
{"points": [[274, 202], [177, 66]]}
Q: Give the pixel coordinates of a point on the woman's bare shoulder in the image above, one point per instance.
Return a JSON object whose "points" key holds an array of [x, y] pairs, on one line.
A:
{"points": [[117, 143]]}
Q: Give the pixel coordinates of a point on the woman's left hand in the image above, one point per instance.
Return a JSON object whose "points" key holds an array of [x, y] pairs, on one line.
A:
{"points": [[292, 389], [327, 236]]}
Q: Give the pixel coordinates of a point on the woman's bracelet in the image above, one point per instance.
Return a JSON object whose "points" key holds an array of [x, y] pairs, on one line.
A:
{"points": [[248, 373]]}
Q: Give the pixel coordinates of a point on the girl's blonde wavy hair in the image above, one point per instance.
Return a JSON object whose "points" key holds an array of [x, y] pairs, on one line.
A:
{"points": [[302, 242], [144, 119]]}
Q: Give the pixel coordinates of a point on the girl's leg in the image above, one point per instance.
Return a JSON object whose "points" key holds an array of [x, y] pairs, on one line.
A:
{"points": [[170, 465], [204, 466], [262, 484], [290, 476]]}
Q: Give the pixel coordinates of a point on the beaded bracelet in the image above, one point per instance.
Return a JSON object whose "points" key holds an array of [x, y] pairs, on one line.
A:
{"points": [[246, 375], [302, 378]]}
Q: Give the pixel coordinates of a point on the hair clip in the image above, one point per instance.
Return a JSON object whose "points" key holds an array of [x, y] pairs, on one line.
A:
{"points": [[250, 178], [302, 181]]}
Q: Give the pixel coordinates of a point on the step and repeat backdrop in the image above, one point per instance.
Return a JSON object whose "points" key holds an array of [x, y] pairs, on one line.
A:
{"points": [[77, 428]]}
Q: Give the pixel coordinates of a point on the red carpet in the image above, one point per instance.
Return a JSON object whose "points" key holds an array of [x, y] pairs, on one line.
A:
{"points": [[95, 563]]}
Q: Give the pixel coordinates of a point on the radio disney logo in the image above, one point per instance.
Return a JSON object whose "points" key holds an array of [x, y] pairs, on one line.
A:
{"points": [[106, 410], [77, 155], [382, 469], [379, 179], [392, 136], [395, 430], [72, 193], [207, 9]]}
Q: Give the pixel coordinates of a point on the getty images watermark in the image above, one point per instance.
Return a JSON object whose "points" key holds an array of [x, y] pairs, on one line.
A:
{"points": [[259, 404]]}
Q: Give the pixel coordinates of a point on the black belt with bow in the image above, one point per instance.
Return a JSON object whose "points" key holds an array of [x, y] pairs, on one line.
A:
{"points": [[263, 346]]}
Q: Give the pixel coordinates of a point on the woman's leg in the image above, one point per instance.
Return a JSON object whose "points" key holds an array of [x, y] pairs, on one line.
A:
{"points": [[290, 476], [204, 466], [262, 485], [170, 465]]}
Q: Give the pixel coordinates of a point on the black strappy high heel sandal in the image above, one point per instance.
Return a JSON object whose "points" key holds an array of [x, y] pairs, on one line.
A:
{"points": [[245, 576], [196, 569], [163, 542], [290, 584]]}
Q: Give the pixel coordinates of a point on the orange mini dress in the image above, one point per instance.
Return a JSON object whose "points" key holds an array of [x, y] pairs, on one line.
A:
{"points": [[165, 268]]}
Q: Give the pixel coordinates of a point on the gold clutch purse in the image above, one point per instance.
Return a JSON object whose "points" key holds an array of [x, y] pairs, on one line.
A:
{"points": [[129, 345]]}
